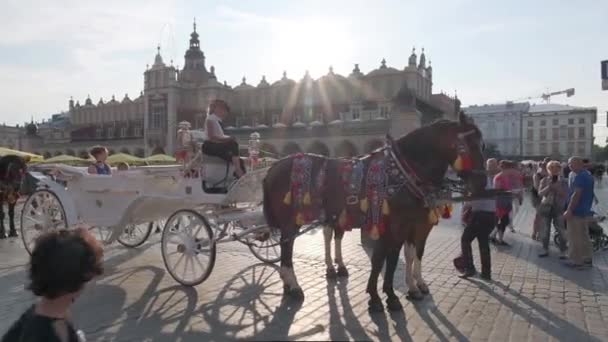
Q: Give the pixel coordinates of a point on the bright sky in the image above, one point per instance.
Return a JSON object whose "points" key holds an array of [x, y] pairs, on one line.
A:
{"points": [[490, 51]]}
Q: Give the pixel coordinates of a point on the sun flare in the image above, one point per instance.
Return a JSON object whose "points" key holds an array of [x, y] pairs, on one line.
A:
{"points": [[312, 44]]}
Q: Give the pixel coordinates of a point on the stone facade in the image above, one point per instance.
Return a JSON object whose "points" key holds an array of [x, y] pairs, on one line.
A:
{"points": [[501, 125], [332, 114], [558, 130]]}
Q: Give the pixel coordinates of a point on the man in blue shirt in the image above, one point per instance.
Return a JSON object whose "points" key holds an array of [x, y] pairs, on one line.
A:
{"points": [[578, 212]]}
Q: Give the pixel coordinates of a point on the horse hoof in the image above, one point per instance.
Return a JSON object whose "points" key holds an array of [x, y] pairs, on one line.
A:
{"points": [[375, 305], [331, 273], [3, 236], [13, 234], [414, 295], [424, 289], [393, 304], [342, 271]]}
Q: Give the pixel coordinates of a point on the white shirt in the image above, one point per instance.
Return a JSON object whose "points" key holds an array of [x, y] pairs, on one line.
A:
{"points": [[213, 121], [488, 205]]}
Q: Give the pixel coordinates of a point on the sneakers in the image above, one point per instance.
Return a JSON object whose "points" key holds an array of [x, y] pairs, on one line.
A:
{"points": [[543, 254]]}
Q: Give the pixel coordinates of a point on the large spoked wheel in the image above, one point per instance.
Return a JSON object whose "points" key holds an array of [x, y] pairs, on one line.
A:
{"points": [[42, 212], [135, 234], [265, 245], [188, 248]]}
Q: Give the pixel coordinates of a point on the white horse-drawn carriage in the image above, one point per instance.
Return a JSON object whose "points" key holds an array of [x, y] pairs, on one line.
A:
{"points": [[198, 216]]}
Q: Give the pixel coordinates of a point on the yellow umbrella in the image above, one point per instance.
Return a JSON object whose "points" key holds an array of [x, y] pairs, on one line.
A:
{"points": [[66, 159], [125, 158], [160, 159], [32, 157]]}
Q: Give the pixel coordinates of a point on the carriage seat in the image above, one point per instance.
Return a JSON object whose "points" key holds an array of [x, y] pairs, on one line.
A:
{"points": [[216, 174]]}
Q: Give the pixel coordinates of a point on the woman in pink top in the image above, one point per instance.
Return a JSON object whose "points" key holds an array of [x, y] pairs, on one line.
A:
{"points": [[507, 179]]}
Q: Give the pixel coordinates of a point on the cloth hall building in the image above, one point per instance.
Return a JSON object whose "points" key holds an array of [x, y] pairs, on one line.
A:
{"points": [[333, 115]]}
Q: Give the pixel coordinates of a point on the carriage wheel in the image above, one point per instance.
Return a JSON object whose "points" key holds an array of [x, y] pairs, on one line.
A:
{"points": [[188, 247], [135, 234], [42, 212], [266, 248]]}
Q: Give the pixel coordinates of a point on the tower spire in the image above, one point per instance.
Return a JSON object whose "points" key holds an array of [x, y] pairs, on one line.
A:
{"points": [[194, 24]]}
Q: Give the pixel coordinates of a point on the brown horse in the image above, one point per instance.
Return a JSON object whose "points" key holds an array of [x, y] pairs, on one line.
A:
{"points": [[419, 159]]}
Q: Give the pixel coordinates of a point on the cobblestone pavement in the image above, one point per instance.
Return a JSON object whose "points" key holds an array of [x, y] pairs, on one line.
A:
{"points": [[531, 299]]}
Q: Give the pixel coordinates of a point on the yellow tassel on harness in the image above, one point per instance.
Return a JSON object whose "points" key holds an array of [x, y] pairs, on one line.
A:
{"points": [[306, 200], [457, 164], [374, 234], [363, 205], [343, 219], [433, 218], [385, 208], [300, 219], [287, 198]]}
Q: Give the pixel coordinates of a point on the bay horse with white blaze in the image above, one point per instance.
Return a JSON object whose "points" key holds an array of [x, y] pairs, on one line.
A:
{"points": [[12, 170], [389, 193]]}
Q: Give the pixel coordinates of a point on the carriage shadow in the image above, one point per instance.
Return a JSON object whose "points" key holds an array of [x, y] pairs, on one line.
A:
{"points": [[426, 310], [554, 326], [251, 306], [146, 318]]}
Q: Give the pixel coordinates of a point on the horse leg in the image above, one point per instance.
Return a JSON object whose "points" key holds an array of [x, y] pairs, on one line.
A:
{"points": [[2, 231], [422, 286], [330, 273], [342, 271], [392, 302], [11, 220], [410, 254], [378, 257], [290, 282]]}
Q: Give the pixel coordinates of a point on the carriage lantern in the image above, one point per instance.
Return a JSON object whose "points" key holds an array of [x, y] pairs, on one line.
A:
{"points": [[254, 149]]}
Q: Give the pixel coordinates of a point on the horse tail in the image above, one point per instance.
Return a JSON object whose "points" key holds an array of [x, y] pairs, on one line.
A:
{"points": [[268, 215]]}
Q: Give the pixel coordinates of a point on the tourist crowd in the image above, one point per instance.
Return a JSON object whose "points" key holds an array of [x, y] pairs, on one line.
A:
{"points": [[562, 196]]}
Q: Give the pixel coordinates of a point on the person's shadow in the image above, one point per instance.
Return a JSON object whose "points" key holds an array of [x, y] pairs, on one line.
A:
{"points": [[558, 328], [426, 309]]}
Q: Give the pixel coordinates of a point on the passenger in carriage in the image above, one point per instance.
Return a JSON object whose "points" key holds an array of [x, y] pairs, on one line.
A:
{"points": [[216, 142], [122, 166], [100, 153]]}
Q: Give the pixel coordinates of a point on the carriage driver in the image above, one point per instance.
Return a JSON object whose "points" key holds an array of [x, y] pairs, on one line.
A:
{"points": [[217, 143]]}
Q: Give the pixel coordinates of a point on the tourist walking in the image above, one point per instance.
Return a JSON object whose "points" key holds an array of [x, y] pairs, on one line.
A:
{"points": [[61, 264], [540, 173], [479, 226], [577, 214], [504, 180], [554, 192]]}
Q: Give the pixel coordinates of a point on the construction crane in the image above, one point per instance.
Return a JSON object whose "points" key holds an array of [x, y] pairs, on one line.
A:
{"points": [[547, 96]]}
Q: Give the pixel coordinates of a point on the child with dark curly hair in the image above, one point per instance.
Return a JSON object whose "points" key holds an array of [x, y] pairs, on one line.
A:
{"points": [[62, 263]]}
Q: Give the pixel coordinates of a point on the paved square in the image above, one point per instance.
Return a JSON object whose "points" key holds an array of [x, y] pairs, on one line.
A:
{"points": [[531, 299]]}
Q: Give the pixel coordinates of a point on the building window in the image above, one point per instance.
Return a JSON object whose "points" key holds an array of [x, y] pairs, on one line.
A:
{"points": [[581, 120], [158, 114], [356, 112], [543, 122], [530, 123], [543, 133], [581, 132], [529, 149], [98, 133], [570, 133], [555, 148], [237, 121], [384, 112], [570, 148], [137, 131], [110, 132], [570, 121], [123, 132], [555, 133], [563, 132], [581, 148], [555, 122], [530, 134], [275, 119]]}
